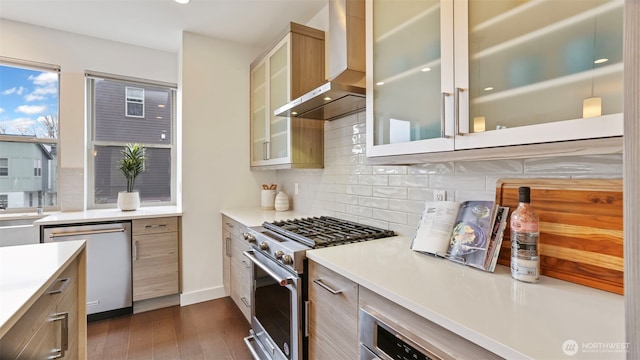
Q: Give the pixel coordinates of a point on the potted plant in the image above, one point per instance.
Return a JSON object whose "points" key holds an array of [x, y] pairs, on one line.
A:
{"points": [[131, 165]]}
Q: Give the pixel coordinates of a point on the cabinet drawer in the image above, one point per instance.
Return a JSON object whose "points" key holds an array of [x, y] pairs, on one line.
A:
{"points": [[37, 318], [154, 225], [233, 226]]}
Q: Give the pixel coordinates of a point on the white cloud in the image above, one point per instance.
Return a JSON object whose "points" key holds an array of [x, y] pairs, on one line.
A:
{"points": [[31, 109], [45, 78], [41, 93], [14, 90], [1, 110]]}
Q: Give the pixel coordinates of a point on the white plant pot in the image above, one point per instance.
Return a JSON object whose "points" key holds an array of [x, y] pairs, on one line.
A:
{"points": [[128, 201]]}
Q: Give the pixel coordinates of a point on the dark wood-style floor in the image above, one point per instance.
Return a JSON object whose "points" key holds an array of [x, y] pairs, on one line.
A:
{"points": [[210, 330]]}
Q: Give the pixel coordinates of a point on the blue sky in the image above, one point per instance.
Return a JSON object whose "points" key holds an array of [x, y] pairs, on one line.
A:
{"points": [[25, 97]]}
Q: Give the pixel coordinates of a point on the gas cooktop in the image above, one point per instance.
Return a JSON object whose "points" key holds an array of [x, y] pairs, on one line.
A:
{"points": [[323, 231]]}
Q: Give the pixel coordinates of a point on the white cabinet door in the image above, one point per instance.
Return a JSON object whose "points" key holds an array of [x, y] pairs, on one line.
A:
{"points": [[467, 74], [409, 77]]}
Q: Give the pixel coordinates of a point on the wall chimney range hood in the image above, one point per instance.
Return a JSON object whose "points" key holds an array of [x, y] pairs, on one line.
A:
{"points": [[345, 92]]}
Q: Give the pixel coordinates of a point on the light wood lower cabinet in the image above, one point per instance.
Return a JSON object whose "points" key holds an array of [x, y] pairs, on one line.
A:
{"points": [[50, 328], [155, 253], [333, 315], [237, 267]]}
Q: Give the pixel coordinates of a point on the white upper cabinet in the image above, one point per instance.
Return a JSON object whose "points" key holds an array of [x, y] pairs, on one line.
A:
{"points": [[507, 73]]}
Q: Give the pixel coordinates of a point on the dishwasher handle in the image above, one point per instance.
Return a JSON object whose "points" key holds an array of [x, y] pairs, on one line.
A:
{"points": [[84, 232]]}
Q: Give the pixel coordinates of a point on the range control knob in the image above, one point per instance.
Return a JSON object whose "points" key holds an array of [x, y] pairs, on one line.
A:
{"points": [[264, 246], [278, 254], [287, 260], [250, 238]]}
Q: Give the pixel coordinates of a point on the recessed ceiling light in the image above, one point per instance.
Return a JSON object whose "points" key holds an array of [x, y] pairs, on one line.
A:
{"points": [[327, 98], [425, 69], [488, 88], [294, 113], [182, 1], [380, 83], [600, 61]]}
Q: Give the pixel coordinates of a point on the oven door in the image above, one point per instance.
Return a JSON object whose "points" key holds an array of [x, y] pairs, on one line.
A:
{"points": [[275, 309]]}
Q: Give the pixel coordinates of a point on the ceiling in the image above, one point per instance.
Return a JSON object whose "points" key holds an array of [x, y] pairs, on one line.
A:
{"points": [[158, 24]]}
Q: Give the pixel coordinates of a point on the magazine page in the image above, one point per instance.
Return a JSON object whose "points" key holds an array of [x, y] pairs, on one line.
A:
{"points": [[434, 230], [471, 234]]}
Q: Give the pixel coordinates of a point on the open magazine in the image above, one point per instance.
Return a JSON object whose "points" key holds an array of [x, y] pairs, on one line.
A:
{"points": [[469, 232]]}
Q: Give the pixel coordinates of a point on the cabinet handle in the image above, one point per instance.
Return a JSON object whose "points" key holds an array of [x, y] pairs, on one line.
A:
{"points": [[62, 284], [155, 226], [456, 100], [135, 251], [245, 301], [267, 153], [443, 123], [64, 334], [227, 247], [326, 287], [246, 264], [229, 225]]}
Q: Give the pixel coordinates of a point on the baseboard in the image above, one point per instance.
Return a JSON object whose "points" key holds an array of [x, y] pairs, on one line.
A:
{"points": [[194, 297], [156, 303]]}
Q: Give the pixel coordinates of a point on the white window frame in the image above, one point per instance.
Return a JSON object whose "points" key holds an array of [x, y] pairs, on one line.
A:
{"points": [[131, 98], [90, 77]]}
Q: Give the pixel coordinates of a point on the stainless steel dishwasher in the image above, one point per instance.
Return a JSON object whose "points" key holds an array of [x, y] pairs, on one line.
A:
{"points": [[109, 281]]}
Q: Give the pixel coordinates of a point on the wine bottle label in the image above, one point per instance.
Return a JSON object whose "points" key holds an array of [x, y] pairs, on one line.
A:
{"points": [[522, 226]]}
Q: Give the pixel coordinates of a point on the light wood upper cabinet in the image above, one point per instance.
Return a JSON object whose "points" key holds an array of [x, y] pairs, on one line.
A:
{"points": [[290, 68], [524, 72], [333, 315], [155, 257]]}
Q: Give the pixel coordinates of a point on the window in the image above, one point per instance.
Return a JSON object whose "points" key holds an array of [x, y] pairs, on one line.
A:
{"points": [[135, 102], [29, 102], [110, 99], [4, 167]]}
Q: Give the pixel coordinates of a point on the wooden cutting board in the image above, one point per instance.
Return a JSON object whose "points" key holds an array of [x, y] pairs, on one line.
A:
{"points": [[581, 233]]}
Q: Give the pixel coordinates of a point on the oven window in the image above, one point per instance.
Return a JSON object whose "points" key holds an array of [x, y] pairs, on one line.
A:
{"points": [[273, 309]]}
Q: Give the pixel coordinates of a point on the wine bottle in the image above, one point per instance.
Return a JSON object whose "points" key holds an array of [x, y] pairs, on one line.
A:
{"points": [[525, 235]]}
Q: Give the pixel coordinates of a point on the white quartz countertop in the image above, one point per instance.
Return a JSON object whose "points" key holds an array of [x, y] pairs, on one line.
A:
{"points": [[25, 272], [514, 320], [255, 216], [107, 215]]}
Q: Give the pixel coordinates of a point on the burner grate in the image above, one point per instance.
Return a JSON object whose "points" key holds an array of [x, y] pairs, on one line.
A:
{"points": [[325, 231]]}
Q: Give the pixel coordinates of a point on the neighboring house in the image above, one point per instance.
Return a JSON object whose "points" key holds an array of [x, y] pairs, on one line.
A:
{"points": [[27, 174], [126, 113]]}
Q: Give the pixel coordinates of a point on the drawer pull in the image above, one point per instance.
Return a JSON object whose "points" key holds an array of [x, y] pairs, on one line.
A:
{"points": [[326, 287], [61, 285], [135, 251], [228, 246], [246, 264], [155, 226], [229, 225], [245, 301], [64, 334]]}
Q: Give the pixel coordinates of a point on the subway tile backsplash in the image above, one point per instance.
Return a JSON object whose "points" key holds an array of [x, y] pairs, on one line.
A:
{"points": [[393, 196]]}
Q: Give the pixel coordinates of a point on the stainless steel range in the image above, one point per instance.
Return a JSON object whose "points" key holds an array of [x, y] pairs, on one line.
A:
{"points": [[279, 285]]}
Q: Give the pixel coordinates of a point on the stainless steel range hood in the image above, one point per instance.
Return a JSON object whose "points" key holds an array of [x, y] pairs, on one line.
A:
{"points": [[345, 92]]}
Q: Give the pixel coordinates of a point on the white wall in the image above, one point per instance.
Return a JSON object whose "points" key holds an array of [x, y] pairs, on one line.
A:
{"points": [[214, 87], [75, 54]]}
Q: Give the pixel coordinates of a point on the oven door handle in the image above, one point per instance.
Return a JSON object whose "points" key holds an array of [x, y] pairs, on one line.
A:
{"points": [[282, 281]]}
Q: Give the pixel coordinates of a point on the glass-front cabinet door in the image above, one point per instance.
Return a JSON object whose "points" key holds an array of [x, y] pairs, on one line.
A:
{"points": [[509, 72], [409, 76], [538, 71], [270, 140]]}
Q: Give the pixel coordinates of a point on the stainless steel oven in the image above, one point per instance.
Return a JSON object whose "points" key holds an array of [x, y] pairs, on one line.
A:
{"points": [[382, 338], [279, 284], [275, 315]]}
